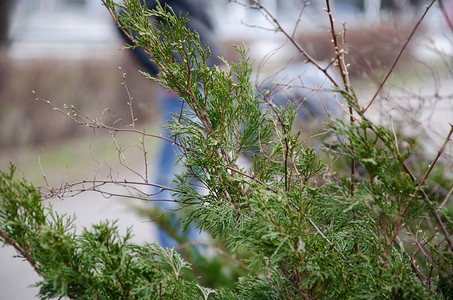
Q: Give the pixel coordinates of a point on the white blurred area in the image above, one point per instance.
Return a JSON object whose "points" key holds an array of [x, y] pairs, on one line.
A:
{"points": [[80, 29], [62, 29]]}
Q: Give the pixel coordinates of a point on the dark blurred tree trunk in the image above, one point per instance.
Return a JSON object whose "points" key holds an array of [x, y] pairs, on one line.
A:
{"points": [[5, 11]]}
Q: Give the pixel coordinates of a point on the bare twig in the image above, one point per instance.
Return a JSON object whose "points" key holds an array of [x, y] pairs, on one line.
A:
{"points": [[132, 124], [20, 250], [42, 172], [289, 36], [446, 198], [430, 168], [414, 267], [444, 12], [345, 76], [145, 157], [432, 210], [411, 35], [96, 124], [218, 250], [94, 185], [439, 153], [327, 240]]}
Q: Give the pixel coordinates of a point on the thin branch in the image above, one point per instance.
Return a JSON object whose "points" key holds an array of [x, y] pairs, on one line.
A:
{"points": [[432, 210], [296, 44], [96, 184], [345, 76], [299, 18], [444, 12], [145, 157], [20, 250], [218, 250], [235, 170], [42, 172], [414, 267], [439, 153], [422, 182], [132, 124], [399, 56], [446, 198], [95, 124], [327, 240]]}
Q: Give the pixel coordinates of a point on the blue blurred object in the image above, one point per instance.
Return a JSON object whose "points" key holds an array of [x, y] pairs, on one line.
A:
{"points": [[166, 168], [198, 13]]}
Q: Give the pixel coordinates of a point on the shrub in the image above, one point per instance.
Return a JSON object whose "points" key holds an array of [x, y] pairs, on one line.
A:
{"points": [[289, 226]]}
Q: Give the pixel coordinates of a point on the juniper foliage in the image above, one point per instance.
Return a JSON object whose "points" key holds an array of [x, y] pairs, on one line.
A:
{"points": [[299, 230]]}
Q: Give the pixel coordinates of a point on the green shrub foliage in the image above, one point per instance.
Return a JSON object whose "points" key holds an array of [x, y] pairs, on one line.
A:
{"points": [[297, 226]]}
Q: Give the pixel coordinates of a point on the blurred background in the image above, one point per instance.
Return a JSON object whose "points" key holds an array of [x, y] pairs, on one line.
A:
{"points": [[67, 51]]}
